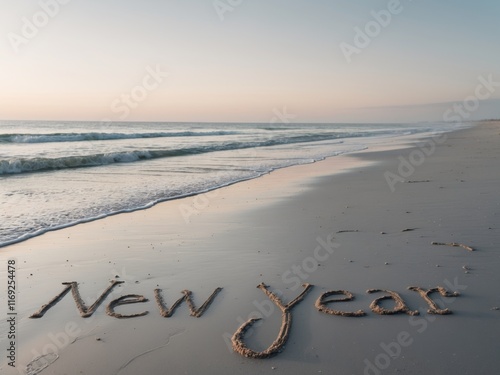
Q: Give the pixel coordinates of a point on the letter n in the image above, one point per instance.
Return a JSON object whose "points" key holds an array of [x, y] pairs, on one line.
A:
{"points": [[85, 311]]}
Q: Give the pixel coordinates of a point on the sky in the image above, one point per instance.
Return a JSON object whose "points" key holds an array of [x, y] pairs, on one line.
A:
{"points": [[246, 60]]}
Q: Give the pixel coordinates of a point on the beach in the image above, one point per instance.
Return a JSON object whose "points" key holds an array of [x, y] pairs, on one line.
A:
{"points": [[354, 222]]}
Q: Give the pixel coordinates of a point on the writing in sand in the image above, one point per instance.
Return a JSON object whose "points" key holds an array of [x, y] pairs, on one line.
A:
{"points": [[238, 343]]}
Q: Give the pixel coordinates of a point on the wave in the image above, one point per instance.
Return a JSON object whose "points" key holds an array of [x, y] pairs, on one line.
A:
{"points": [[40, 164], [96, 136], [213, 186]]}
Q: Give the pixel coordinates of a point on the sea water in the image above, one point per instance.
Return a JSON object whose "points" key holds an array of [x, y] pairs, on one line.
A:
{"points": [[56, 174]]}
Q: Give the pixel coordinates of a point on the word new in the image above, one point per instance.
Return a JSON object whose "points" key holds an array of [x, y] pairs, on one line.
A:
{"points": [[86, 312]]}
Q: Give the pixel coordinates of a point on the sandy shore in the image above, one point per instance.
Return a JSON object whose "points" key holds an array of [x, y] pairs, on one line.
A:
{"points": [[355, 222]]}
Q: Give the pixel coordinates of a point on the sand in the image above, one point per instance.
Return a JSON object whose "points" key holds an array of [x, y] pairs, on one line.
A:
{"points": [[345, 225]]}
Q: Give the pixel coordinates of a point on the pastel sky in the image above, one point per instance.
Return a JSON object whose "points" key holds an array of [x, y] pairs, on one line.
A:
{"points": [[241, 60]]}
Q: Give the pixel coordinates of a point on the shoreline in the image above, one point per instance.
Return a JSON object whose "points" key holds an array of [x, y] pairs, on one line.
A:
{"points": [[272, 235], [376, 145]]}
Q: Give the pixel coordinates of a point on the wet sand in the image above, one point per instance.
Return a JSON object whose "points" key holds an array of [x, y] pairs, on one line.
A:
{"points": [[349, 224]]}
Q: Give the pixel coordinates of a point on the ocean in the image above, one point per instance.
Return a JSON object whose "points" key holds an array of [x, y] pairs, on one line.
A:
{"points": [[57, 174]]}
